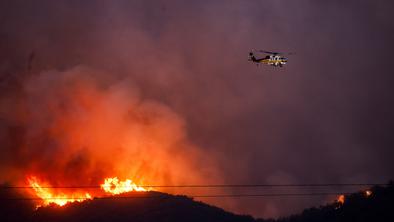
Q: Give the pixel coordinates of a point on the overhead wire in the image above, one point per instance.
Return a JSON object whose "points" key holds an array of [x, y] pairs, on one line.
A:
{"points": [[213, 186], [241, 195], [191, 196]]}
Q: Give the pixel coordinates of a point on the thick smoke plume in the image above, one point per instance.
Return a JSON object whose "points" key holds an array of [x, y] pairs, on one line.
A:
{"points": [[74, 128]]}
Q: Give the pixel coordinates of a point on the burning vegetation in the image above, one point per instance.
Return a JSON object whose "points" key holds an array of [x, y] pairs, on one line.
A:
{"points": [[62, 195], [341, 199], [49, 195], [114, 186]]}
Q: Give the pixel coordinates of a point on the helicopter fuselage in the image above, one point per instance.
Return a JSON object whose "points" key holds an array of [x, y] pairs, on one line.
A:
{"points": [[273, 60]]}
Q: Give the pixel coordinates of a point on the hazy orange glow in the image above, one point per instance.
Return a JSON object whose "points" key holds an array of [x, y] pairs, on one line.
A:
{"points": [[49, 196], [114, 186], [368, 193]]}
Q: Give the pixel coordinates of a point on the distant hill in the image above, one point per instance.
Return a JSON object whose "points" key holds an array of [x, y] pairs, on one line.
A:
{"points": [[157, 207], [358, 207]]}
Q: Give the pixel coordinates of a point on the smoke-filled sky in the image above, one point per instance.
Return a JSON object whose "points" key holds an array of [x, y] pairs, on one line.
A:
{"points": [[161, 91]]}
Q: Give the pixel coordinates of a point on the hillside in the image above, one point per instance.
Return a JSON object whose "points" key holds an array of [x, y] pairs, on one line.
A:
{"points": [[149, 206], [357, 207], [156, 206]]}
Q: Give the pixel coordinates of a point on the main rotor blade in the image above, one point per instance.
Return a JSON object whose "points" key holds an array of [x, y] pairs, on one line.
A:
{"points": [[274, 53]]}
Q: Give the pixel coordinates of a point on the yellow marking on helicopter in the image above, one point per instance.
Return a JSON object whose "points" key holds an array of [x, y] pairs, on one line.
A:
{"points": [[272, 58]]}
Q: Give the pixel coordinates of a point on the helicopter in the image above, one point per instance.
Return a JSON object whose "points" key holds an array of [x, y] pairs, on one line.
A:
{"points": [[272, 58]]}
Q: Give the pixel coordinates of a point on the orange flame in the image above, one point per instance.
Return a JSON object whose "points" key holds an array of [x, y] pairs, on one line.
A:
{"points": [[368, 193], [114, 186], [341, 199], [49, 197]]}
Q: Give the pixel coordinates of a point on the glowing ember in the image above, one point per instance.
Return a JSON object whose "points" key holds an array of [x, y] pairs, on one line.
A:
{"points": [[48, 196], [114, 186], [368, 193], [341, 199]]}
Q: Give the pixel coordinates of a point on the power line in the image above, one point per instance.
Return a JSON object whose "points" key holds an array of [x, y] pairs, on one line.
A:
{"points": [[191, 196], [271, 195], [212, 186]]}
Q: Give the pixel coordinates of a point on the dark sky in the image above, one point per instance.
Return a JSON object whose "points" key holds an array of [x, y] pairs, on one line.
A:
{"points": [[326, 117]]}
